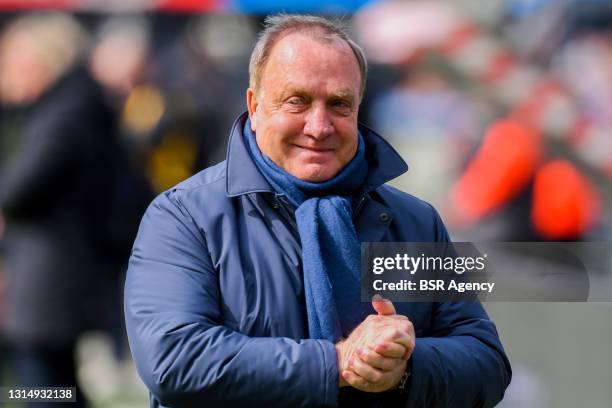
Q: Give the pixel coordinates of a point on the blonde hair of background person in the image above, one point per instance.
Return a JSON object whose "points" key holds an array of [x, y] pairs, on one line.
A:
{"points": [[35, 50]]}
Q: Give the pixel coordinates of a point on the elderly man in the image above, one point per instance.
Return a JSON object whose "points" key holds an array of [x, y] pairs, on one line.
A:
{"points": [[243, 286]]}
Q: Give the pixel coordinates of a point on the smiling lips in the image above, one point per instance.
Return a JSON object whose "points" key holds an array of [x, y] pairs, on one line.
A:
{"points": [[315, 154], [315, 149]]}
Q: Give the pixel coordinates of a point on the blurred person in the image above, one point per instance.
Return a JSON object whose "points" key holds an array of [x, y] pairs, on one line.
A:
{"points": [[59, 196], [424, 105], [120, 55], [119, 63], [198, 86], [424, 116], [29, 67], [243, 286]]}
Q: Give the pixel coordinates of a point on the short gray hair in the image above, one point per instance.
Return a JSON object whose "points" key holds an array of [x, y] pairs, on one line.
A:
{"points": [[278, 26]]}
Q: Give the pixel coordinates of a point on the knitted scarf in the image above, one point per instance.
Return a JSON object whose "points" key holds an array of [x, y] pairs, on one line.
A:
{"points": [[330, 248]]}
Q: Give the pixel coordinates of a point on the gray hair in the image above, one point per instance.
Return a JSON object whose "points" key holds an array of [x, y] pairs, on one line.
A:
{"points": [[278, 26]]}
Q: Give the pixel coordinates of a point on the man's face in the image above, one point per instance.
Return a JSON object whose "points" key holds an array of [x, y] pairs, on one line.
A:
{"points": [[305, 112]]}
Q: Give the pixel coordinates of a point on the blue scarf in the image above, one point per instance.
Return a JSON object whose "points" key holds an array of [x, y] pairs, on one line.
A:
{"points": [[330, 249]]}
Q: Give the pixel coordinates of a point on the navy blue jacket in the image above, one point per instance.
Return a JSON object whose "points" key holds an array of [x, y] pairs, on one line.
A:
{"points": [[215, 309]]}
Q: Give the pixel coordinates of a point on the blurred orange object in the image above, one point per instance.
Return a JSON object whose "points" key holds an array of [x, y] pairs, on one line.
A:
{"points": [[565, 204], [500, 170]]}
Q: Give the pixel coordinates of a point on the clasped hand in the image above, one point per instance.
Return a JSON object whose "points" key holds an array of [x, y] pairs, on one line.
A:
{"points": [[374, 356]]}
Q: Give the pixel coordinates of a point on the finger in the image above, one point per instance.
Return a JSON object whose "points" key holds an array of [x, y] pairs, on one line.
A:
{"points": [[366, 371], [407, 354], [377, 361], [356, 381], [383, 306], [390, 349], [400, 338], [395, 335]]}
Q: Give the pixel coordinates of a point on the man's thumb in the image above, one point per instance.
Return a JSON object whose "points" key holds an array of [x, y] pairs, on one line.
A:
{"points": [[383, 306]]}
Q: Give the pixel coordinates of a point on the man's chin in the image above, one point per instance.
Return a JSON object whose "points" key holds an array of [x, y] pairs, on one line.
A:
{"points": [[314, 173]]}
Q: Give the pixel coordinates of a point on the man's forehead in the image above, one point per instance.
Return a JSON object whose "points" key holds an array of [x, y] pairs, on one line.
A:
{"points": [[293, 58], [291, 45]]}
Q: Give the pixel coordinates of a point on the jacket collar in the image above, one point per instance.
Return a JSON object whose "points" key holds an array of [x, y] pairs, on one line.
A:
{"points": [[243, 177]]}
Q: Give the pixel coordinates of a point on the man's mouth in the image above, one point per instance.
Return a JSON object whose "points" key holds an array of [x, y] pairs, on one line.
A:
{"points": [[316, 149]]}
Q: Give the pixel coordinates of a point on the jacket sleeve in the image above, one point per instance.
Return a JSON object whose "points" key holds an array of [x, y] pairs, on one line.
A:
{"points": [[462, 363], [184, 353]]}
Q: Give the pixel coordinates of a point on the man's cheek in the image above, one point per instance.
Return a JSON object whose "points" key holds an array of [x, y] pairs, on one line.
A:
{"points": [[287, 122]]}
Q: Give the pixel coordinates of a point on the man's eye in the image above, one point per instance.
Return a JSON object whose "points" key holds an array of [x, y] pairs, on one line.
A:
{"points": [[341, 104], [296, 100]]}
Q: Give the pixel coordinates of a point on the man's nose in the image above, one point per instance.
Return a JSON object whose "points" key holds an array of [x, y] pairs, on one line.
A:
{"points": [[318, 123]]}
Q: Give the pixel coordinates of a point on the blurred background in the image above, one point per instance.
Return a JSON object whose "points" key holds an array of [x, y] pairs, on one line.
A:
{"points": [[502, 109]]}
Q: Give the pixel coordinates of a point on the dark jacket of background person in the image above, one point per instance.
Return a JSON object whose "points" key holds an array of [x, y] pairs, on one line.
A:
{"points": [[215, 310], [57, 196]]}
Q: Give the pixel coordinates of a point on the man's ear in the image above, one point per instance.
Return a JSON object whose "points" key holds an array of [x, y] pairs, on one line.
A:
{"points": [[252, 105]]}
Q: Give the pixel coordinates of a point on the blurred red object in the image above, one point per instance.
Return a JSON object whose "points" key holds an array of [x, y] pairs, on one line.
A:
{"points": [[500, 170], [163, 5], [40, 4], [565, 204], [189, 5]]}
